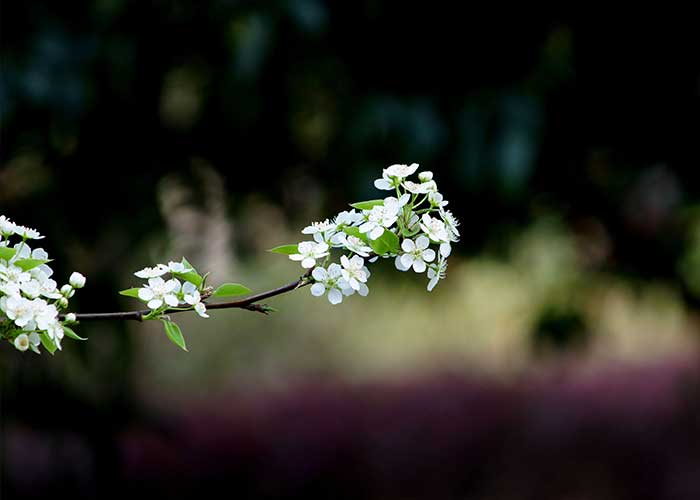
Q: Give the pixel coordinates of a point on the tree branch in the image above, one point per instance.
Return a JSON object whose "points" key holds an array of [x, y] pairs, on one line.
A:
{"points": [[249, 303]]}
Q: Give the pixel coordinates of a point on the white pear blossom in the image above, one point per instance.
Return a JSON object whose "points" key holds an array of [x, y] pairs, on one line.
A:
{"points": [[382, 217], [192, 297], [451, 224], [18, 309], [330, 280], [354, 244], [27, 232], [7, 227], [14, 274], [321, 231], [152, 272], [175, 267], [22, 342], [416, 254], [425, 176], [355, 273], [71, 318], [401, 171], [159, 291], [436, 199], [436, 272], [417, 188], [434, 228], [309, 252], [77, 280], [348, 218]]}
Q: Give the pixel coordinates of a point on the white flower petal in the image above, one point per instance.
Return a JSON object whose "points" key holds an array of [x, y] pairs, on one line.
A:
{"points": [[317, 289], [419, 266], [407, 259], [335, 296], [308, 263], [145, 294], [422, 242], [429, 255], [154, 304], [408, 245]]}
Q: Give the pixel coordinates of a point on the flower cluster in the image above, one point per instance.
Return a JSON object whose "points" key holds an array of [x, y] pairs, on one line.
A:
{"points": [[402, 227], [160, 294], [30, 300]]}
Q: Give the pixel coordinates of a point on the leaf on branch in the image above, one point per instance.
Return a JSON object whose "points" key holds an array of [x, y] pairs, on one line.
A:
{"points": [[48, 343], [28, 264], [71, 334], [388, 242], [285, 249], [230, 290], [130, 292], [174, 334], [7, 253], [367, 205]]}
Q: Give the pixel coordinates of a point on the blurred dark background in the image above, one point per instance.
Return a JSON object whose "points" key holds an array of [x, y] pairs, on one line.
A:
{"points": [[558, 359]]}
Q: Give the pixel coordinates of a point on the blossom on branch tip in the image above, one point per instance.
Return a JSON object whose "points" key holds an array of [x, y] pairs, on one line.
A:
{"points": [[434, 228], [309, 252], [77, 280]]}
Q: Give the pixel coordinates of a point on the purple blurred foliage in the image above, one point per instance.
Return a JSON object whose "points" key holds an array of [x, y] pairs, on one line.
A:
{"points": [[618, 433]]}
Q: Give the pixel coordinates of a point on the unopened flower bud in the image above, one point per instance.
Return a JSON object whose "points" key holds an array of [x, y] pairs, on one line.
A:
{"points": [[22, 342], [63, 302], [425, 176], [77, 280], [70, 318], [67, 291]]}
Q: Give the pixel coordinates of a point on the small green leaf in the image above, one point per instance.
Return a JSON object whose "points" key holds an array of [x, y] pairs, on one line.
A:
{"points": [[28, 264], [174, 334], [367, 205], [186, 263], [285, 249], [388, 242], [48, 344], [130, 292], [7, 253], [71, 334], [192, 276], [231, 289]]}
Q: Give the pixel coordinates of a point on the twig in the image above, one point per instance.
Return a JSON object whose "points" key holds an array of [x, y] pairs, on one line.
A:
{"points": [[249, 303]]}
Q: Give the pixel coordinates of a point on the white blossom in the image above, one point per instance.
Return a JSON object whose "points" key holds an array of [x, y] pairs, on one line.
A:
{"points": [[7, 227], [309, 252], [159, 291], [436, 199], [354, 244], [436, 272], [321, 231], [27, 232], [416, 254], [18, 309], [382, 217], [417, 188], [192, 297], [152, 272], [175, 267], [347, 218], [402, 171], [425, 176], [77, 280], [71, 318], [434, 228], [355, 273], [451, 224], [331, 281], [22, 342]]}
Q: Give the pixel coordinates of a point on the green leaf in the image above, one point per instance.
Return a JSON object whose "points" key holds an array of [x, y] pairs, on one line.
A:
{"points": [[174, 334], [186, 263], [367, 205], [71, 334], [285, 249], [231, 289], [7, 253], [130, 292], [27, 264], [388, 242], [48, 344], [192, 276]]}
